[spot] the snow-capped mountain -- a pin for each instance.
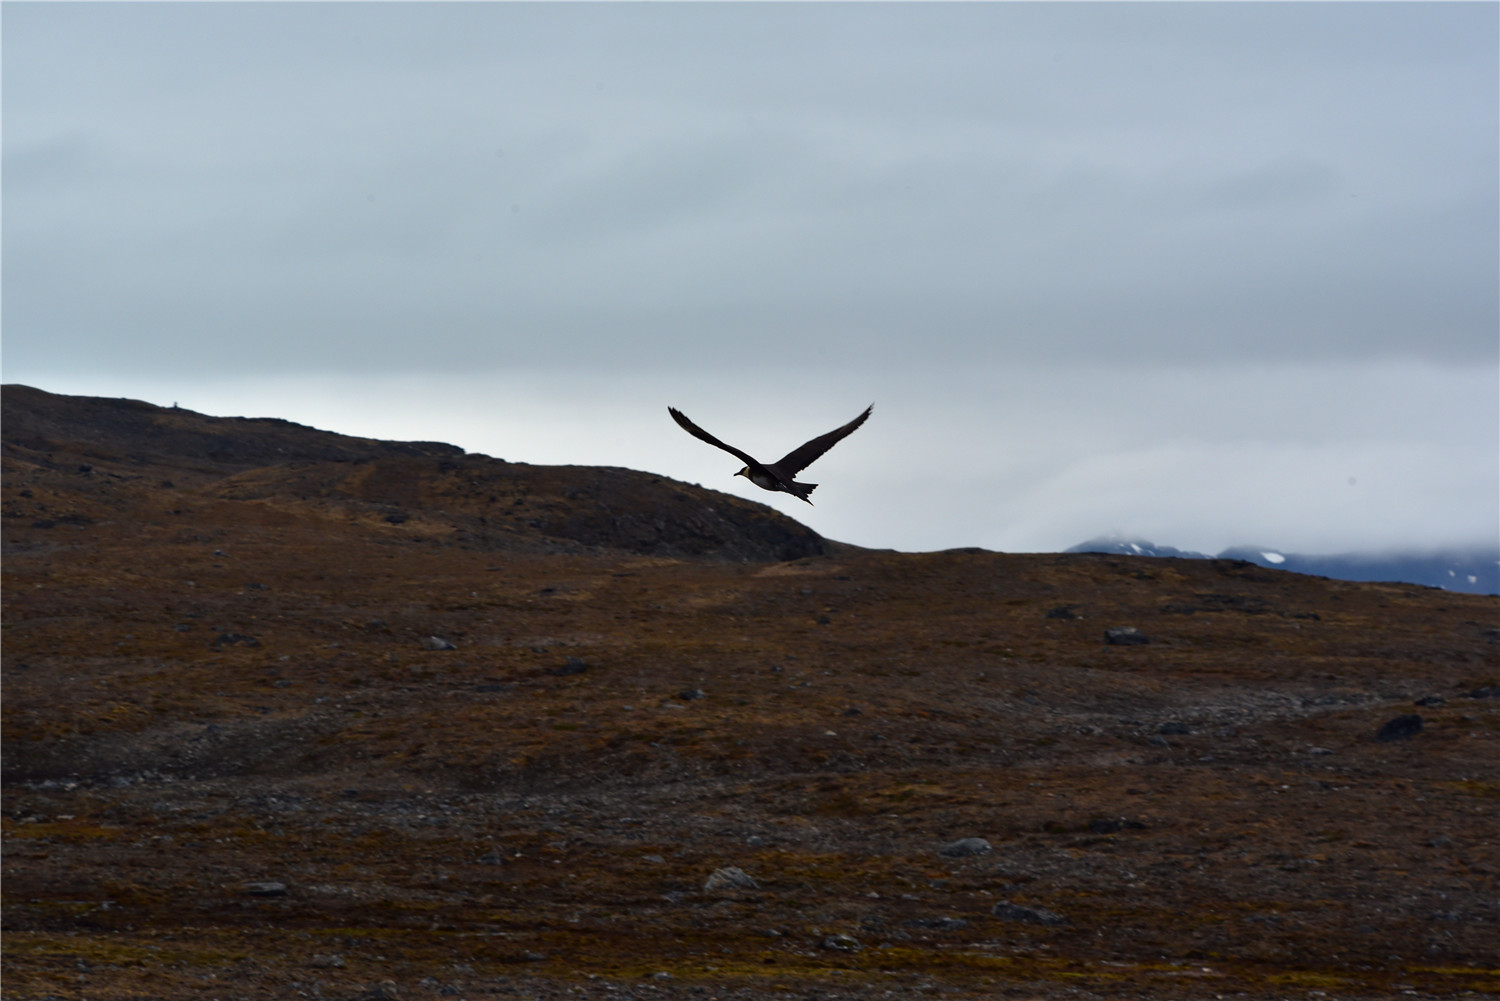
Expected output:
(1475, 570)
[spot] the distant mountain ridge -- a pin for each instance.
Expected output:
(1473, 571)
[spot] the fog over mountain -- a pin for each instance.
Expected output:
(1475, 570)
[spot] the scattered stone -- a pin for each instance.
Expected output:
(1400, 728)
(332, 961)
(1007, 911)
(854, 711)
(437, 643)
(264, 889)
(1484, 692)
(493, 688)
(1062, 612)
(689, 694)
(1125, 636)
(491, 858)
(383, 991)
(964, 847)
(570, 666)
(1318, 750)
(233, 639)
(937, 924)
(1173, 726)
(1430, 700)
(842, 943)
(730, 878)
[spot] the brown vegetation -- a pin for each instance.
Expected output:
(235, 767)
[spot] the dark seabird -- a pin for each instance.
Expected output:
(777, 475)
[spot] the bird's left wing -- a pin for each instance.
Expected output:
(699, 433)
(803, 456)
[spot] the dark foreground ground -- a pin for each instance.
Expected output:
(235, 769)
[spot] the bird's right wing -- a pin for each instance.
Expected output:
(702, 435)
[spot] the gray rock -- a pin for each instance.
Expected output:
(964, 847)
(937, 924)
(689, 694)
(842, 943)
(264, 889)
(1400, 728)
(1111, 825)
(233, 639)
(1173, 726)
(1007, 911)
(384, 991)
(1125, 636)
(730, 878)
(332, 961)
(437, 643)
(570, 666)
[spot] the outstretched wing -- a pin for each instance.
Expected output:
(699, 433)
(805, 455)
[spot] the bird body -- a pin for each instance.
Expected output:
(780, 475)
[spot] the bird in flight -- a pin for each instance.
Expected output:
(777, 475)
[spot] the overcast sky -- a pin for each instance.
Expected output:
(1211, 274)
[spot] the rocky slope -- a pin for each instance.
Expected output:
(288, 714)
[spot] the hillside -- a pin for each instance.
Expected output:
(293, 714)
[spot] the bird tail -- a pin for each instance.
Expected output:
(803, 490)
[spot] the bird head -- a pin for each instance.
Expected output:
(745, 472)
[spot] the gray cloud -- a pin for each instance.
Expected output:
(195, 190)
